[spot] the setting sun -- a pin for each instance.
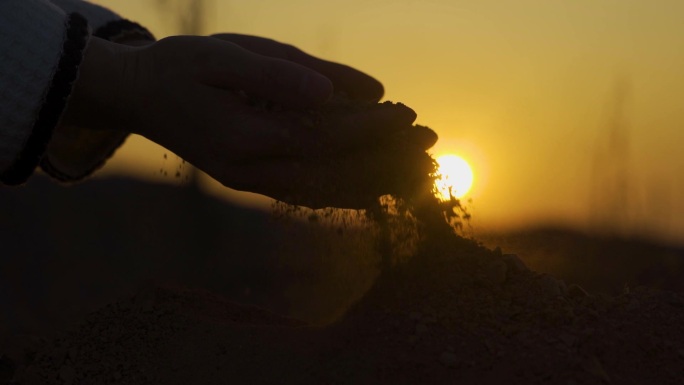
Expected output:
(455, 177)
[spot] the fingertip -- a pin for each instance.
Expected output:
(403, 113)
(315, 88)
(375, 90)
(389, 117)
(425, 136)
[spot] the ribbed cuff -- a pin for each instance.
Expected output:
(120, 29)
(63, 172)
(77, 34)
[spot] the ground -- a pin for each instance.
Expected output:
(456, 312)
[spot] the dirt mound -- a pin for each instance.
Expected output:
(464, 314)
(456, 313)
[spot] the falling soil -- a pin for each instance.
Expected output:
(454, 312)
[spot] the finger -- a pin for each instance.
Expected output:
(288, 134)
(338, 131)
(353, 82)
(279, 80)
(421, 136)
(291, 134)
(371, 127)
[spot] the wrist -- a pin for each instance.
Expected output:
(96, 101)
(135, 42)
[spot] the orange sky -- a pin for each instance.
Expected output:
(524, 90)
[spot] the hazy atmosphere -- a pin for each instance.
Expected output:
(546, 248)
(568, 111)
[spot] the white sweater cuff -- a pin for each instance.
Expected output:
(41, 49)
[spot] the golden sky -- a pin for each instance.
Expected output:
(525, 90)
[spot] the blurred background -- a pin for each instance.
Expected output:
(569, 112)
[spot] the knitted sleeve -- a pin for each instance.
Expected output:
(41, 48)
(76, 152)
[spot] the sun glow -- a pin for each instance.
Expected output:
(455, 177)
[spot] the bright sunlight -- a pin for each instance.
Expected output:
(455, 177)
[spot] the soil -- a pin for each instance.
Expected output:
(455, 312)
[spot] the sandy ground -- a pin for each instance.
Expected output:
(455, 312)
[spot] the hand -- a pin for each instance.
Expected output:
(188, 94)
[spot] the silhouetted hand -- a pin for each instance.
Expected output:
(199, 97)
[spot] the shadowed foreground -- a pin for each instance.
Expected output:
(454, 313)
